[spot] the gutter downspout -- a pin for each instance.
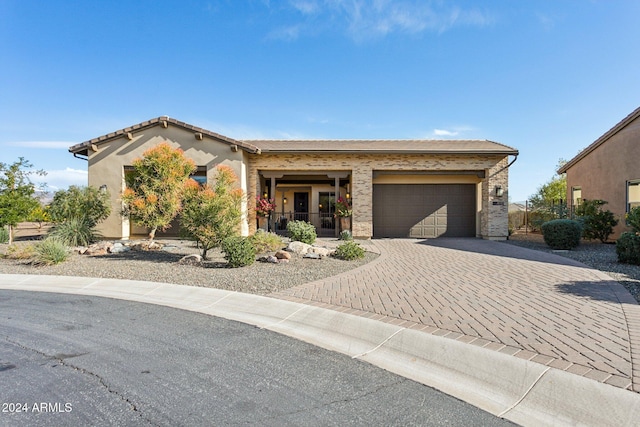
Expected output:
(77, 156)
(506, 167)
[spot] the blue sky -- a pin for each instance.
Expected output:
(547, 77)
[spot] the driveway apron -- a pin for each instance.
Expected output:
(530, 304)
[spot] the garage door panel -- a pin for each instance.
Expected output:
(424, 210)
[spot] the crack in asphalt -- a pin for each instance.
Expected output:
(60, 358)
(334, 402)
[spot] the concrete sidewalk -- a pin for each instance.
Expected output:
(532, 337)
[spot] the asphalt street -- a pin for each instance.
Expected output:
(77, 360)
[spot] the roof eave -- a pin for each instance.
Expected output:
(84, 147)
(598, 142)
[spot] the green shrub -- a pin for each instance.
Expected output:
(4, 235)
(73, 232)
(562, 233)
(238, 251)
(346, 235)
(349, 251)
(302, 231)
(264, 241)
(18, 251)
(596, 222)
(51, 251)
(539, 217)
(633, 219)
(628, 248)
(90, 203)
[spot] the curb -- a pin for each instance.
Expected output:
(522, 391)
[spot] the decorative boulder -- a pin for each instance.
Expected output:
(311, 255)
(323, 252)
(118, 248)
(192, 259)
(283, 255)
(298, 248)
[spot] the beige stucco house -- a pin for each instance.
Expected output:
(397, 188)
(608, 169)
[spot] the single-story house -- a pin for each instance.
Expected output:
(608, 169)
(397, 188)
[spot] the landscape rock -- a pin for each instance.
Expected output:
(323, 252)
(192, 259)
(312, 255)
(118, 248)
(298, 248)
(283, 255)
(272, 259)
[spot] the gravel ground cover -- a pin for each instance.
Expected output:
(162, 266)
(601, 256)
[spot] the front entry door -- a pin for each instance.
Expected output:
(301, 206)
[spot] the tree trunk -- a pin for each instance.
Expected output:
(152, 233)
(10, 234)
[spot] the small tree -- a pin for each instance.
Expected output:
(88, 203)
(154, 189)
(553, 190)
(596, 222)
(211, 214)
(17, 199)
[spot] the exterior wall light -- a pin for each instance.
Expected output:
(499, 191)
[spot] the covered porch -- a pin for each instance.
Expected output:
(306, 196)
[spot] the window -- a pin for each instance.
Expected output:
(200, 175)
(633, 194)
(576, 196)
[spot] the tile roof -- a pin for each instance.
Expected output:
(383, 146)
(598, 142)
(408, 146)
(84, 146)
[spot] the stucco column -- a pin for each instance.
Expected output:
(362, 202)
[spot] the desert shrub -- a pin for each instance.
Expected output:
(238, 251)
(4, 235)
(349, 251)
(302, 231)
(596, 222)
(516, 220)
(346, 235)
(539, 217)
(628, 248)
(51, 251)
(633, 219)
(90, 203)
(264, 241)
(73, 232)
(562, 233)
(17, 251)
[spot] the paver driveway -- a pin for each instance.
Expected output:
(530, 304)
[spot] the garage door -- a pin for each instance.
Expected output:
(424, 210)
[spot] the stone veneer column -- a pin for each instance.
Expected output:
(362, 195)
(495, 221)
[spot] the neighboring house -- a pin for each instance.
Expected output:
(398, 188)
(608, 169)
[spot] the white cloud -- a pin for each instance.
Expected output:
(55, 145)
(59, 179)
(307, 7)
(443, 132)
(366, 19)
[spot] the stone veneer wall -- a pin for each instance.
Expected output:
(493, 218)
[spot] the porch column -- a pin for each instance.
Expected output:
(336, 220)
(272, 193)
